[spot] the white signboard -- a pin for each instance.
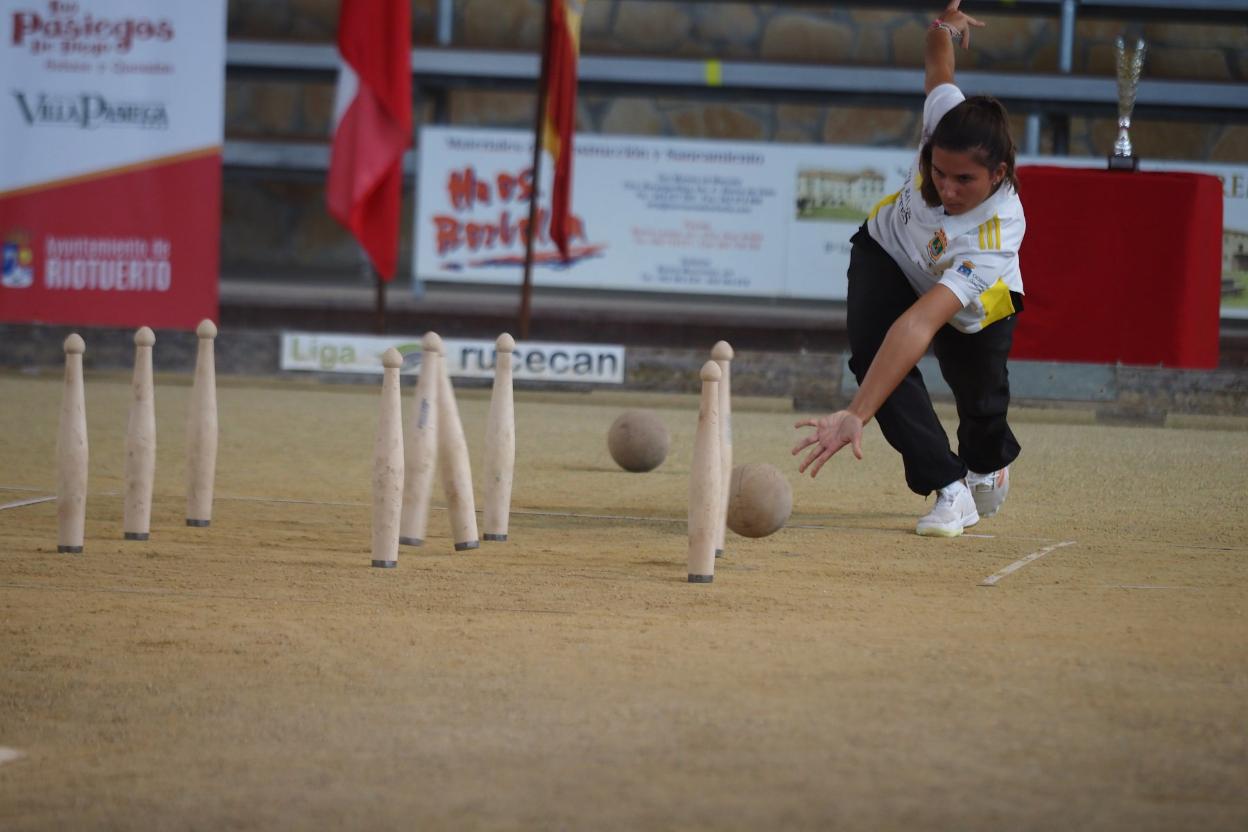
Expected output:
(652, 215)
(531, 360)
(698, 217)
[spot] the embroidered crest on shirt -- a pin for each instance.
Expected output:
(967, 268)
(937, 245)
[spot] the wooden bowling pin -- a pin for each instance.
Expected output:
(420, 444)
(722, 354)
(500, 444)
(704, 476)
(388, 465)
(140, 465)
(201, 431)
(454, 467)
(71, 453)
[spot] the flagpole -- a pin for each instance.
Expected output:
(368, 272)
(380, 312)
(526, 289)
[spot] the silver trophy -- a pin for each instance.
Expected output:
(1129, 66)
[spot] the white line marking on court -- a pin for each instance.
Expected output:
(532, 513)
(817, 527)
(291, 500)
(991, 580)
(627, 517)
(172, 593)
(535, 513)
(9, 755)
(521, 511)
(21, 503)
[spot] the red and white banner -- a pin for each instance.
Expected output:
(111, 124)
(372, 125)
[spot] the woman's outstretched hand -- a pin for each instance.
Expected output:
(832, 432)
(960, 21)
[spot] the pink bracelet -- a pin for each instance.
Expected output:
(940, 24)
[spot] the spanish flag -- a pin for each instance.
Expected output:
(563, 47)
(372, 125)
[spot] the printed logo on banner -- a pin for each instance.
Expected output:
(490, 224)
(413, 354)
(107, 264)
(89, 111)
(65, 30)
(18, 271)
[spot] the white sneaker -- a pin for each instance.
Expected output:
(989, 490)
(953, 512)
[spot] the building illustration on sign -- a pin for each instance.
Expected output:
(836, 194)
(1234, 266)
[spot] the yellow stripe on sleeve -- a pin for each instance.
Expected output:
(888, 200)
(990, 234)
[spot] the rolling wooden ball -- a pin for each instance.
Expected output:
(638, 440)
(760, 500)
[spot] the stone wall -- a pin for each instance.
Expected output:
(280, 226)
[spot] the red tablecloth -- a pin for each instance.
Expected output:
(1120, 267)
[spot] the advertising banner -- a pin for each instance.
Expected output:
(651, 215)
(465, 358)
(111, 121)
(698, 217)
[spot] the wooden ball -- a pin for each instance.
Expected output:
(638, 440)
(760, 500)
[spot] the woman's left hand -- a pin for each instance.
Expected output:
(960, 21)
(832, 432)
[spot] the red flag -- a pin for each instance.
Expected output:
(563, 46)
(372, 125)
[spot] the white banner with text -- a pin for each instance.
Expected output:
(465, 358)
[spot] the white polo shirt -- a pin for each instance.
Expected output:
(975, 254)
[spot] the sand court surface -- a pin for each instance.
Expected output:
(841, 673)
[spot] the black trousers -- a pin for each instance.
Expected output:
(973, 365)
